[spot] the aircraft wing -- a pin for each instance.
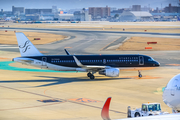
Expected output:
(105, 114)
(95, 67)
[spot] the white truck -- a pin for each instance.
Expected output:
(148, 109)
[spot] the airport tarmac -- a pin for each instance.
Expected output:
(28, 93)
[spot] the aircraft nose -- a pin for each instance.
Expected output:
(157, 63)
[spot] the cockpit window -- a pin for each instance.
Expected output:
(150, 59)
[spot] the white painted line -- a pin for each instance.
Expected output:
(7, 46)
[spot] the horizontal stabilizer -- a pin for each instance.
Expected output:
(23, 60)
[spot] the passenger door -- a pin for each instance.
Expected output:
(141, 60)
(44, 60)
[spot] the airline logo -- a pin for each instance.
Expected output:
(26, 46)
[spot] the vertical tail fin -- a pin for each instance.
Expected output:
(26, 48)
(105, 110)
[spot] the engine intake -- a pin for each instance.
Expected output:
(113, 72)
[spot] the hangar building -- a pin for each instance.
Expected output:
(136, 16)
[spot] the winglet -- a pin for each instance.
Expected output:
(78, 62)
(67, 52)
(105, 110)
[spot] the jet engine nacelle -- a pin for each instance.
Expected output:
(113, 72)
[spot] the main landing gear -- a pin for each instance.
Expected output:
(140, 75)
(90, 75)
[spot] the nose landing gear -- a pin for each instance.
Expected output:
(140, 75)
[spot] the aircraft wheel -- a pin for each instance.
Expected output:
(89, 74)
(140, 76)
(92, 77)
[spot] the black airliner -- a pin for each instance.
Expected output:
(107, 65)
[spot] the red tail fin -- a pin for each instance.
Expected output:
(105, 109)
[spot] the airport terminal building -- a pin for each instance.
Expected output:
(135, 16)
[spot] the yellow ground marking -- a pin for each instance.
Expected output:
(136, 69)
(173, 64)
(3, 58)
(143, 77)
(43, 52)
(67, 47)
